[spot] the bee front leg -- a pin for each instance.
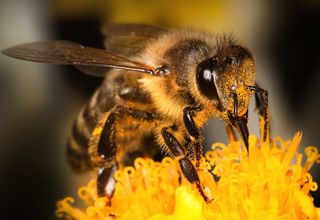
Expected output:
(187, 168)
(195, 134)
(262, 103)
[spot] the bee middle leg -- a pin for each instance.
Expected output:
(179, 152)
(103, 151)
(230, 132)
(194, 132)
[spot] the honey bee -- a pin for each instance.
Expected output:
(156, 95)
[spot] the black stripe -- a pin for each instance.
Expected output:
(79, 137)
(90, 121)
(79, 161)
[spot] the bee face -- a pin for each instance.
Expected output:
(227, 74)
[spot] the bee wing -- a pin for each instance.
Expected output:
(129, 39)
(91, 60)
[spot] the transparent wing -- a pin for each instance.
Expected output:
(129, 39)
(69, 53)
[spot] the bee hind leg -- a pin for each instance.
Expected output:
(187, 168)
(106, 181)
(103, 147)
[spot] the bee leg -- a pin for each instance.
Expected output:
(187, 168)
(262, 103)
(106, 151)
(106, 148)
(106, 181)
(195, 134)
(230, 132)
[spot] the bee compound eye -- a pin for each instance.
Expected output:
(205, 78)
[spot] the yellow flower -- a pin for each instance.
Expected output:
(271, 182)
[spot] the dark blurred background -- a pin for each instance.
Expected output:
(39, 102)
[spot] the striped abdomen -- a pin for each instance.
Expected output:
(77, 148)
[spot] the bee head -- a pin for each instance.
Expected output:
(226, 76)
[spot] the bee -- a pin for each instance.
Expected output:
(155, 96)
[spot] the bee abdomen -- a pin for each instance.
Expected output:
(79, 161)
(77, 149)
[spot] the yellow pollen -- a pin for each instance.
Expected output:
(97, 131)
